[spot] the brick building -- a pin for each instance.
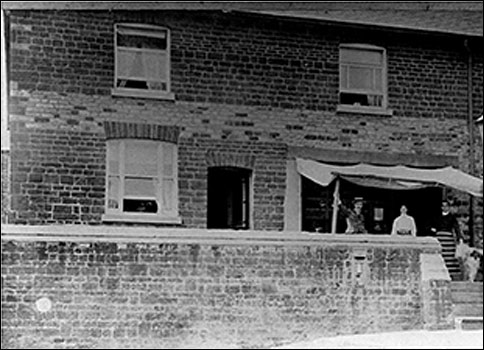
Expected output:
(192, 116)
(235, 95)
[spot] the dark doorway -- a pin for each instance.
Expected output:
(228, 198)
(316, 205)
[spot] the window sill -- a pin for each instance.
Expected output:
(137, 218)
(363, 110)
(137, 93)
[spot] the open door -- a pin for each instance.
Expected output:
(228, 198)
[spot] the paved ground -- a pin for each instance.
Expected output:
(450, 339)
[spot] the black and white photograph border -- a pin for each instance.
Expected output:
(234, 175)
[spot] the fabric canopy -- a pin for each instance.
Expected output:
(385, 183)
(390, 177)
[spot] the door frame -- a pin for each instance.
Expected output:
(247, 207)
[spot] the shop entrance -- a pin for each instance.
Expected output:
(381, 206)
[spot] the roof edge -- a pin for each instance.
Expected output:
(266, 9)
(248, 5)
(395, 27)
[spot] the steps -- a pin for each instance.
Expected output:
(468, 304)
(448, 253)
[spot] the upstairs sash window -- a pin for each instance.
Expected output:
(362, 76)
(142, 58)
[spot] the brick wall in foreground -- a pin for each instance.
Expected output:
(183, 288)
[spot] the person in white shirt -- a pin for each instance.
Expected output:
(404, 224)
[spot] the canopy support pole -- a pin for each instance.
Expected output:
(335, 206)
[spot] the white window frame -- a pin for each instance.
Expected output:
(161, 216)
(384, 89)
(143, 93)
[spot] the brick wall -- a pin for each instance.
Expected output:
(241, 59)
(268, 178)
(106, 287)
(58, 176)
(58, 149)
(437, 305)
(231, 88)
(5, 185)
(62, 51)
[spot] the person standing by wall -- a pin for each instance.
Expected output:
(447, 224)
(355, 219)
(448, 233)
(404, 224)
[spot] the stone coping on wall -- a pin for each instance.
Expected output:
(126, 234)
(433, 267)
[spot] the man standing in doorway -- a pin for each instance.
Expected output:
(447, 224)
(448, 232)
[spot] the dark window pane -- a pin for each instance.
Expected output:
(132, 84)
(139, 84)
(141, 42)
(140, 205)
(348, 98)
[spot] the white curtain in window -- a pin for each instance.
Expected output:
(157, 65)
(136, 64)
(360, 78)
(168, 192)
(113, 192)
(113, 157)
(168, 187)
(142, 169)
(140, 187)
(141, 158)
(131, 65)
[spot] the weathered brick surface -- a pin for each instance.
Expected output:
(246, 86)
(246, 81)
(241, 59)
(51, 156)
(183, 295)
(57, 176)
(78, 112)
(437, 293)
(269, 179)
(5, 184)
